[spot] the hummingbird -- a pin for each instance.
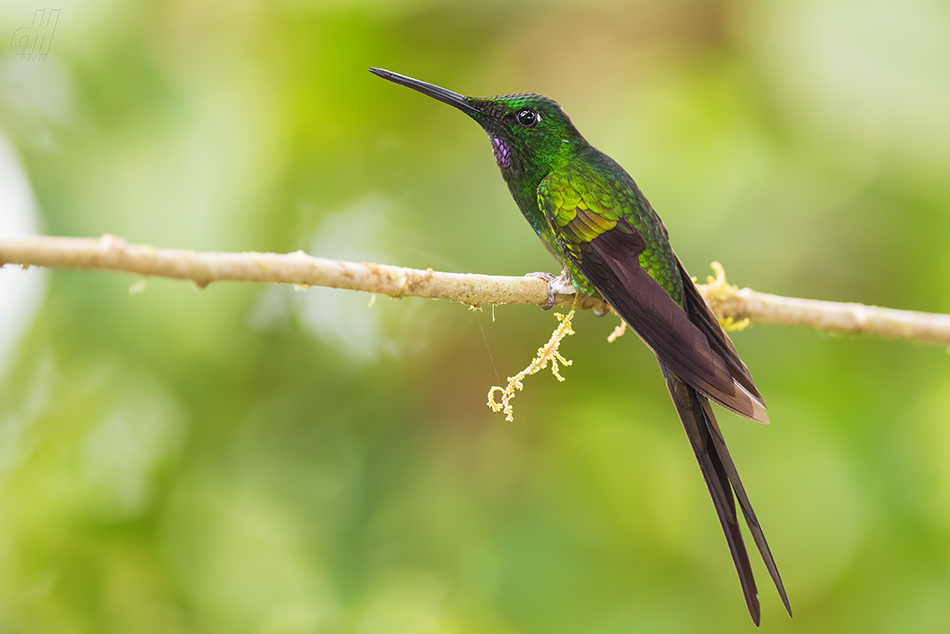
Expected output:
(595, 221)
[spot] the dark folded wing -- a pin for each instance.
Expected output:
(703, 317)
(593, 225)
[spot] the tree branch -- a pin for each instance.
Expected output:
(203, 267)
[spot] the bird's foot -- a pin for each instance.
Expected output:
(562, 284)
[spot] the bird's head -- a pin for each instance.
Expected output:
(530, 134)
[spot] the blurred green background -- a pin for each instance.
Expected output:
(258, 459)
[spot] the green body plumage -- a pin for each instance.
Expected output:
(593, 218)
(589, 196)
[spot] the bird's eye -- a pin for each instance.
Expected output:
(527, 117)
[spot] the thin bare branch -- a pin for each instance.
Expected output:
(203, 267)
(733, 305)
(110, 253)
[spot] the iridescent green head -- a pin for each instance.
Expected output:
(530, 133)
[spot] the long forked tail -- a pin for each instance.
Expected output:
(722, 480)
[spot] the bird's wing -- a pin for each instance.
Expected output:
(703, 317)
(596, 218)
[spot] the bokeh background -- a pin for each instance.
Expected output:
(262, 459)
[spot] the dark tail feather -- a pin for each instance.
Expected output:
(751, 520)
(722, 479)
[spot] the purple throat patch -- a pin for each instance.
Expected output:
(500, 150)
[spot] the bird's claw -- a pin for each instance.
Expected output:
(556, 285)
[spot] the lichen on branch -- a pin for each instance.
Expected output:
(546, 353)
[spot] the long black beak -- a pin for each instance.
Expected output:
(443, 95)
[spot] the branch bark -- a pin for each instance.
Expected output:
(203, 267)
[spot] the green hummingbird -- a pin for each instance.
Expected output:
(593, 218)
